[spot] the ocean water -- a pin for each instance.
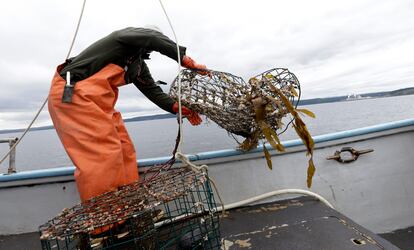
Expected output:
(156, 138)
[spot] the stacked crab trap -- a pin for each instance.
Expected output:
(175, 210)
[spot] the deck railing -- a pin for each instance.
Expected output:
(12, 156)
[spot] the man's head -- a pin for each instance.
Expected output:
(153, 27)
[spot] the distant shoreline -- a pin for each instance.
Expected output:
(399, 92)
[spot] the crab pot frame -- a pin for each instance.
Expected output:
(226, 99)
(176, 210)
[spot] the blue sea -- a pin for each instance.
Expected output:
(156, 138)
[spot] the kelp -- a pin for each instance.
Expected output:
(301, 130)
(275, 96)
(268, 157)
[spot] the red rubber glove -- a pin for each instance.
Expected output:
(189, 63)
(192, 116)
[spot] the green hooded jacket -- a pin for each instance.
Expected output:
(127, 48)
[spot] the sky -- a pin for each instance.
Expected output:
(333, 47)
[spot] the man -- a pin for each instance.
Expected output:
(83, 113)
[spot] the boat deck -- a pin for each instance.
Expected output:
(301, 223)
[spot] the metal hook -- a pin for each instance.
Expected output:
(354, 154)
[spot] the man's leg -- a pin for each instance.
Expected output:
(128, 150)
(89, 136)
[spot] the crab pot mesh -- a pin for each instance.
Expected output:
(173, 211)
(227, 99)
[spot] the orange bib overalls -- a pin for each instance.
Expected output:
(93, 132)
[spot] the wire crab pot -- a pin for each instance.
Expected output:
(254, 110)
(226, 99)
(173, 211)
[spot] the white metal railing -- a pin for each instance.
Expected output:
(12, 156)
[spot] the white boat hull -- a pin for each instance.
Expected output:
(375, 190)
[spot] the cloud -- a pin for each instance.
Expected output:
(354, 46)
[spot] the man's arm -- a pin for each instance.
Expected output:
(150, 40)
(145, 83)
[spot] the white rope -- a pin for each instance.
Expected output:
(251, 200)
(180, 115)
(45, 101)
(203, 169)
(274, 193)
(191, 165)
(77, 29)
